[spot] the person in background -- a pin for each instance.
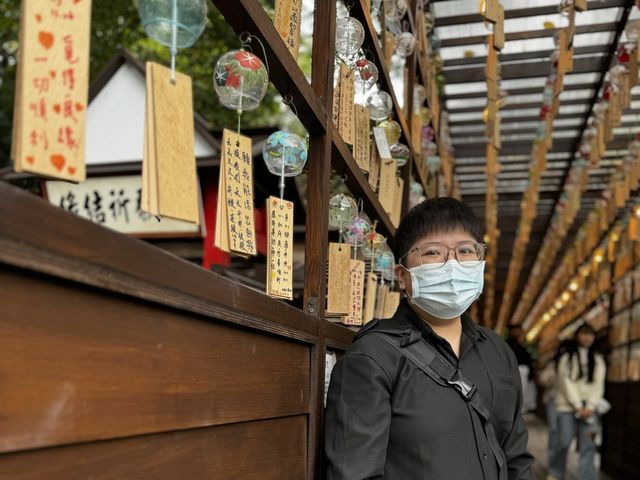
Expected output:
(548, 379)
(392, 415)
(525, 365)
(579, 399)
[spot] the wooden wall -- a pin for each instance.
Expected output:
(120, 361)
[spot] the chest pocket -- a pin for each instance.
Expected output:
(504, 402)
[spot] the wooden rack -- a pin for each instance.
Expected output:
(143, 352)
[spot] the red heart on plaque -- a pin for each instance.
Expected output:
(72, 170)
(58, 161)
(52, 73)
(56, 108)
(79, 107)
(38, 18)
(45, 39)
(30, 159)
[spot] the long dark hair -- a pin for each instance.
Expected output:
(591, 356)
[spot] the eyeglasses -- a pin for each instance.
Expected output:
(468, 254)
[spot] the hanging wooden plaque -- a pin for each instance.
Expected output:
(335, 114)
(416, 132)
(347, 94)
(602, 145)
(280, 248)
(370, 297)
(287, 22)
(391, 304)
(235, 195)
(338, 292)
(381, 299)
(397, 202)
(381, 142)
(492, 11)
(632, 228)
(615, 111)
(362, 142)
(52, 89)
(174, 139)
(374, 169)
(498, 30)
(389, 48)
(633, 68)
(497, 143)
(580, 5)
(356, 296)
(491, 67)
(386, 192)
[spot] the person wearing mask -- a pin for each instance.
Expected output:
(428, 394)
(579, 399)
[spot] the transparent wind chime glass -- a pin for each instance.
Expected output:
(342, 211)
(175, 24)
(240, 78)
(285, 155)
(357, 230)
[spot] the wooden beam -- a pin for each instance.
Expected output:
(315, 265)
(523, 12)
(520, 70)
(527, 35)
(518, 57)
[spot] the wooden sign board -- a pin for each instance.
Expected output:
(386, 192)
(280, 248)
(492, 11)
(498, 30)
(52, 89)
(287, 22)
(391, 304)
(370, 298)
(235, 229)
(171, 166)
(396, 213)
(338, 292)
(116, 203)
(580, 5)
(347, 94)
(374, 169)
(362, 140)
(335, 113)
(356, 290)
(491, 67)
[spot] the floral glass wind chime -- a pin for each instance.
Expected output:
(169, 179)
(285, 155)
(240, 81)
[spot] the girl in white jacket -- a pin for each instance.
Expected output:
(581, 377)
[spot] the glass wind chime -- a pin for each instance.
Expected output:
(173, 24)
(240, 78)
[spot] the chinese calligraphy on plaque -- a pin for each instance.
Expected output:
(280, 244)
(235, 229)
(52, 88)
(287, 23)
(356, 289)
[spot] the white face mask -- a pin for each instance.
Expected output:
(446, 291)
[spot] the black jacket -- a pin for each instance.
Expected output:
(386, 419)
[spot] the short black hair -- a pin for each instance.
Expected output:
(434, 215)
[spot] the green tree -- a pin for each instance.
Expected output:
(116, 25)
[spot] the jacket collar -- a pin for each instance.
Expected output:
(469, 328)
